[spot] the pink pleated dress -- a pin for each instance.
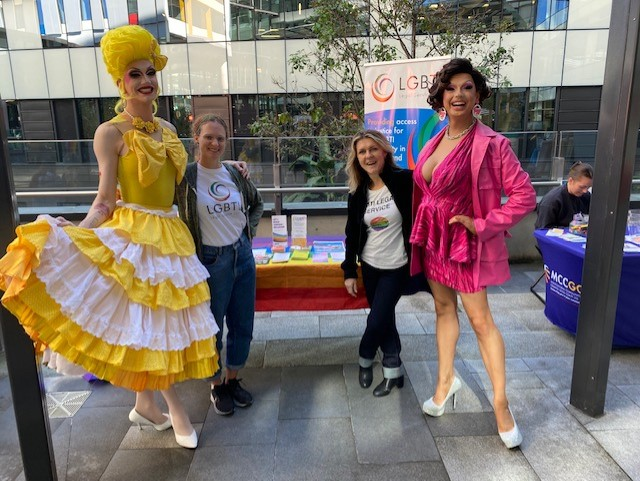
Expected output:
(446, 252)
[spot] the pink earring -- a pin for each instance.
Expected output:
(477, 111)
(442, 114)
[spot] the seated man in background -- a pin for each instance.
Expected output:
(559, 205)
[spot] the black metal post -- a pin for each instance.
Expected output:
(615, 156)
(25, 378)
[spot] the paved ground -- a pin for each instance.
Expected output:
(312, 421)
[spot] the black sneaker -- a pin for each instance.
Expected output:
(222, 400)
(241, 397)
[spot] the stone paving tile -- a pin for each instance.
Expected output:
(9, 438)
(625, 367)
(515, 300)
(106, 395)
(408, 324)
(632, 391)
(255, 424)
(555, 444)
(392, 440)
(620, 412)
(296, 327)
(476, 366)
(311, 352)
(534, 319)
(327, 447)
(194, 395)
(622, 446)
(522, 344)
(257, 354)
(362, 402)
(483, 458)
(428, 321)
(313, 392)
(336, 325)
(428, 471)
(515, 380)
(470, 398)
(462, 424)
(149, 465)
(420, 302)
(263, 384)
(506, 321)
(149, 438)
(247, 463)
(11, 467)
(418, 348)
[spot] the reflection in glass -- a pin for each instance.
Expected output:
(552, 14)
(542, 102)
(510, 109)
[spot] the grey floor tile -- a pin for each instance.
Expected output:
(556, 445)
(5, 393)
(106, 395)
(522, 344)
(620, 412)
(428, 321)
(10, 466)
(312, 352)
(327, 447)
(534, 319)
(362, 403)
(476, 366)
(622, 446)
(408, 324)
(515, 380)
(393, 440)
(150, 439)
(462, 424)
(632, 391)
(263, 384)
(295, 326)
(419, 348)
(625, 367)
(427, 471)
(9, 438)
(149, 465)
(420, 302)
(256, 354)
(506, 321)
(313, 392)
(337, 325)
(483, 458)
(255, 424)
(516, 300)
(247, 463)
(470, 398)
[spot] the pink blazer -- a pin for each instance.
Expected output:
(494, 168)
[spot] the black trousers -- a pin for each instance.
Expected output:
(383, 288)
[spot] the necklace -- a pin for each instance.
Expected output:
(149, 126)
(457, 136)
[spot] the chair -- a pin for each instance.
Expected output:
(532, 288)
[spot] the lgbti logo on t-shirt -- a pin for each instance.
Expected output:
(219, 192)
(379, 223)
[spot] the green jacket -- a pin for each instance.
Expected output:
(187, 200)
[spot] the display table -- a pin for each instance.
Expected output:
(303, 285)
(563, 277)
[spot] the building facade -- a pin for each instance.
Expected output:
(231, 57)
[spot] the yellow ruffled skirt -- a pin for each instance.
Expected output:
(127, 301)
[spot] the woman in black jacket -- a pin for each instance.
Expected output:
(378, 230)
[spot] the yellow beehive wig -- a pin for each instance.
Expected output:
(126, 44)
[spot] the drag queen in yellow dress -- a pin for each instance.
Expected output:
(123, 294)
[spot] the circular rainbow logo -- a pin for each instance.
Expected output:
(380, 90)
(379, 223)
(219, 192)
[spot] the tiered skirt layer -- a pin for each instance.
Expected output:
(127, 301)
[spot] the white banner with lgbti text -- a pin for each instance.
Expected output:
(395, 103)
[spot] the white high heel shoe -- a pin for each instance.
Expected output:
(436, 410)
(189, 441)
(136, 418)
(513, 437)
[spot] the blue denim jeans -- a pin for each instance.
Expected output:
(232, 283)
(383, 288)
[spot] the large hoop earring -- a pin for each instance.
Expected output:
(442, 114)
(477, 111)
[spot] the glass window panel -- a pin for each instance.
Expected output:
(58, 68)
(510, 110)
(205, 20)
(88, 117)
(241, 65)
(107, 107)
(542, 104)
(13, 118)
(271, 66)
(521, 12)
(181, 114)
(117, 13)
(22, 24)
(244, 111)
(6, 78)
(240, 23)
(552, 14)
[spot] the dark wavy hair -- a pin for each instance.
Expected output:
(443, 78)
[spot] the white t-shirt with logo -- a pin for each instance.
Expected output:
(220, 212)
(384, 248)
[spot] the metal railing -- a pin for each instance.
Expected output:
(291, 173)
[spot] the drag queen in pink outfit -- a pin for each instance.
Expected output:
(460, 227)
